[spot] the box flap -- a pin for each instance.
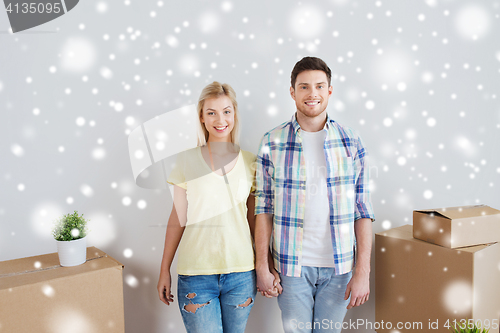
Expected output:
(406, 232)
(432, 212)
(461, 212)
(41, 262)
(403, 232)
(45, 267)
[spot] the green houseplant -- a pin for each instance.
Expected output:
(468, 328)
(70, 232)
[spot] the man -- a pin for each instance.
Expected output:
(312, 197)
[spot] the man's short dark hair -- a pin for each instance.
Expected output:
(310, 64)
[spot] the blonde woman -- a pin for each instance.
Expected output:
(212, 222)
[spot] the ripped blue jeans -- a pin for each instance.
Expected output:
(216, 303)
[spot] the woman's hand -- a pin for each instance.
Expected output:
(164, 290)
(173, 235)
(277, 280)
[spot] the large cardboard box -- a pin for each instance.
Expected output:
(419, 282)
(39, 295)
(457, 226)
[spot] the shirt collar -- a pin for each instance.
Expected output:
(296, 126)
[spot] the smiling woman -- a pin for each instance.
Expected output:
(212, 222)
(218, 117)
(217, 106)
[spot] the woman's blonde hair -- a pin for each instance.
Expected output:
(215, 90)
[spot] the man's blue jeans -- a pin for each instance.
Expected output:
(216, 303)
(314, 302)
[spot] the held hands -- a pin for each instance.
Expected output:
(268, 283)
(164, 290)
(359, 288)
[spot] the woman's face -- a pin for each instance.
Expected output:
(218, 118)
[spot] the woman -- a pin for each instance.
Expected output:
(216, 282)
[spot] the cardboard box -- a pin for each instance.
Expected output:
(457, 226)
(39, 295)
(419, 282)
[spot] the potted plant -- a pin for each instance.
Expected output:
(468, 327)
(70, 233)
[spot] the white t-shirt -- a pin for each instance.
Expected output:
(317, 249)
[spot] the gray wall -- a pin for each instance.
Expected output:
(418, 79)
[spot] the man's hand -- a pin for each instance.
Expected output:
(358, 288)
(268, 284)
(276, 290)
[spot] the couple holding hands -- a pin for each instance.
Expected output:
(306, 192)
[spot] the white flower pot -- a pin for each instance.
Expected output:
(72, 253)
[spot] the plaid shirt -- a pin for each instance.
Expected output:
(281, 191)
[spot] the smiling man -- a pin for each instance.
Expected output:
(312, 198)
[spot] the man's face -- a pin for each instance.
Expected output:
(311, 93)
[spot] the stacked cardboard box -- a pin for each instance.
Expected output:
(39, 295)
(425, 287)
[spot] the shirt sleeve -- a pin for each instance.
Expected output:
(264, 182)
(364, 207)
(177, 175)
